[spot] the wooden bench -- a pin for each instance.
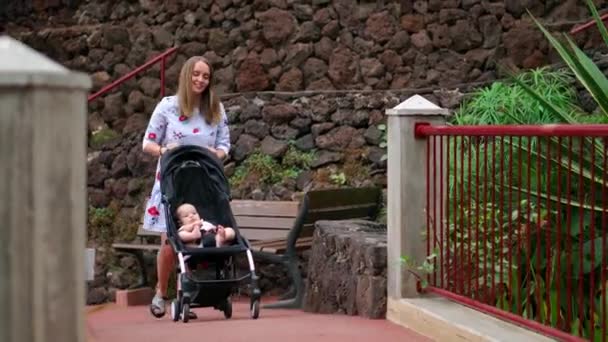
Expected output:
(293, 232)
(277, 230)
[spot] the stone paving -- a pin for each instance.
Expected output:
(113, 323)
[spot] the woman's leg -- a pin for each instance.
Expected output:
(165, 260)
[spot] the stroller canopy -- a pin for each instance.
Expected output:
(192, 174)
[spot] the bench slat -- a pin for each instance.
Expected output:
(280, 246)
(280, 223)
(135, 246)
(263, 234)
(341, 197)
(266, 208)
(143, 232)
(364, 211)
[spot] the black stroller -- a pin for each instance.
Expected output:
(191, 174)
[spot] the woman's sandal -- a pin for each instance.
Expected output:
(157, 308)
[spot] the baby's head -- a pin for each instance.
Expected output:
(186, 214)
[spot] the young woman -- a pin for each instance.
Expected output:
(194, 116)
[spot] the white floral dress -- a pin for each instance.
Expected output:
(167, 126)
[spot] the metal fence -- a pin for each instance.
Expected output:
(517, 223)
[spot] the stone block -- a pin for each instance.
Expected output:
(347, 269)
(134, 297)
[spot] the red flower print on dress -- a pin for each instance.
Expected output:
(158, 176)
(153, 211)
(196, 130)
(152, 136)
(183, 118)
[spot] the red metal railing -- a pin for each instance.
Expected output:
(162, 58)
(588, 24)
(517, 223)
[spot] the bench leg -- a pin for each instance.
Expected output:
(291, 292)
(296, 301)
(143, 281)
(143, 274)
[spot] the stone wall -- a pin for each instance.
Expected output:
(289, 45)
(347, 269)
(341, 130)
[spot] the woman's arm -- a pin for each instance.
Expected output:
(222, 141)
(154, 149)
(155, 132)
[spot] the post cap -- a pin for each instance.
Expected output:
(417, 105)
(21, 65)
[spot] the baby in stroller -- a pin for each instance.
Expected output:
(198, 232)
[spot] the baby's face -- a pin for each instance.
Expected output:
(187, 214)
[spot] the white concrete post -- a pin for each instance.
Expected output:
(407, 190)
(43, 139)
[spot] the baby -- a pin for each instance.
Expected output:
(195, 229)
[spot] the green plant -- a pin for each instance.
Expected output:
(264, 169)
(101, 224)
(423, 270)
(583, 67)
(383, 140)
(99, 138)
(338, 178)
(509, 103)
(297, 159)
(258, 165)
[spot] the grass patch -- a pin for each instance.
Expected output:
(101, 137)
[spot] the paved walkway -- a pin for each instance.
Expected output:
(110, 323)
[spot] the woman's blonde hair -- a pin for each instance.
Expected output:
(209, 103)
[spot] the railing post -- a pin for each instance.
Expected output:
(162, 77)
(43, 140)
(407, 190)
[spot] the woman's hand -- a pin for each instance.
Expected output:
(218, 153)
(157, 150)
(168, 147)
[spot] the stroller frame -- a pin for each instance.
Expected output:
(193, 291)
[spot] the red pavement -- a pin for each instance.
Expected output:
(112, 323)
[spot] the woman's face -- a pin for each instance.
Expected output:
(200, 77)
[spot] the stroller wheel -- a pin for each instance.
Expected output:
(227, 308)
(175, 310)
(255, 309)
(185, 313)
